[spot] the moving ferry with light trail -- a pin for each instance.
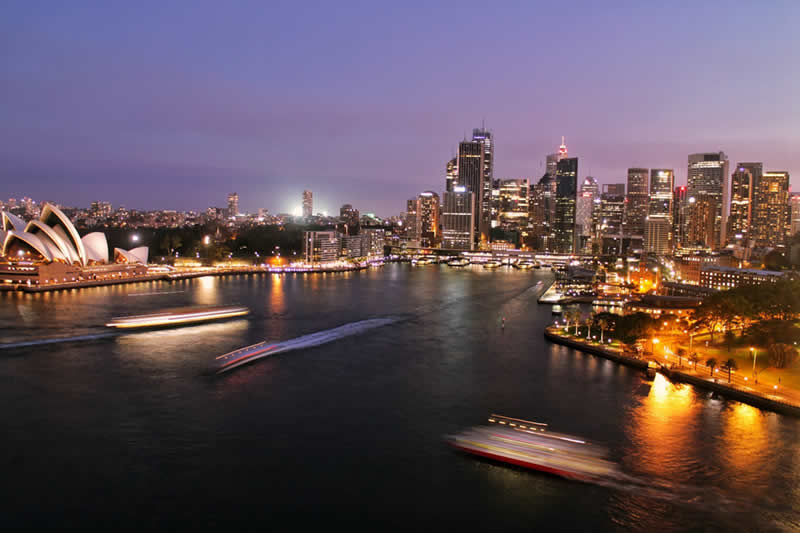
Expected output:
(177, 317)
(249, 354)
(532, 445)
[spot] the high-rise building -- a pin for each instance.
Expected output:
(373, 241)
(320, 246)
(708, 174)
(475, 161)
(740, 217)
(412, 222)
(566, 196)
(771, 207)
(451, 174)
(612, 209)
(233, 205)
(637, 202)
(458, 214)
(614, 189)
(586, 214)
(700, 226)
(428, 214)
(542, 213)
(513, 204)
(308, 204)
(679, 214)
(350, 218)
(794, 209)
(658, 224)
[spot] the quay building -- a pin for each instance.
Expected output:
(49, 251)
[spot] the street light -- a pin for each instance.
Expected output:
(754, 355)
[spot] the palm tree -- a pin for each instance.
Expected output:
(588, 323)
(729, 365)
(602, 323)
(694, 357)
(576, 316)
(681, 352)
(711, 363)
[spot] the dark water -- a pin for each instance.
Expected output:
(130, 431)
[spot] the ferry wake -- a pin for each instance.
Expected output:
(248, 354)
(177, 317)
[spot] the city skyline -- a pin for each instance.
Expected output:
(242, 108)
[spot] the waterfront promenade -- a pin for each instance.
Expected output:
(764, 395)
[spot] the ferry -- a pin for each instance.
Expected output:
(423, 261)
(458, 262)
(532, 445)
(177, 317)
(494, 263)
(524, 265)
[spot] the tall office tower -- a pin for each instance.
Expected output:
(308, 204)
(233, 204)
(612, 210)
(566, 196)
(708, 173)
(542, 213)
(428, 214)
(658, 224)
(755, 170)
(458, 219)
(412, 222)
(475, 158)
(586, 213)
(701, 214)
(740, 217)
(614, 189)
(637, 202)
(350, 218)
(552, 163)
(513, 204)
(773, 196)
(794, 218)
(679, 216)
(451, 174)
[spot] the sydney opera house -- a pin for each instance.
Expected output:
(50, 251)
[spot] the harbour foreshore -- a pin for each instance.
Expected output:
(756, 398)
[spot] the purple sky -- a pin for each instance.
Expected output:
(155, 105)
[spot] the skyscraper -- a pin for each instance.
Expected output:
(428, 214)
(412, 222)
(658, 224)
(308, 204)
(233, 205)
(475, 162)
(740, 218)
(451, 174)
(612, 210)
(637, 202)
(708, 174)
(566, 196)
(679, 215)
(513, 204)
(771, 216)
(350, 218)
(542, 212)
(458, 214)
(586, 214)
(701, 214)
(794, 224)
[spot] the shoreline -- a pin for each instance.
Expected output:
(729, 392)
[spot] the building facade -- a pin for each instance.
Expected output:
(707, 174)
(308, 204)
(771, 209)
(637, 202)
(566, 197)
(320, 246)
(458, 219)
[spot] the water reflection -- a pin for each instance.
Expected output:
(207, 292)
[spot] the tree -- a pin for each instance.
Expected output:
(781, 355)
(694, 357)
(711, 363)
(729, 365)
(572, 315)
(729, 336)
(602, 323)
(681, 353)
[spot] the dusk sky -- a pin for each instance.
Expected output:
(156, 105)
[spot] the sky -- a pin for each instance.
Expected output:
(172, 105)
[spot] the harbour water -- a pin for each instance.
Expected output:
(131, 430)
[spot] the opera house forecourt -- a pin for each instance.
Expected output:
(49, 252)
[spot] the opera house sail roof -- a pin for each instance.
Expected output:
(53, 238)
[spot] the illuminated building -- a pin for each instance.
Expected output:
(451, 174)
(350, 218)
(542, 212)
(724, 278)
(586, 214)
(637, 201)
(320, 246)
(658, 225)
(458, 214)
(428, 215)
(708, 175)
(794, 202)
(233, 205)
(475, 167)
(412, 221)
(513, 204)
(679, 216)
(308, 204)
(700, 229)
(566, 196)
(740, 218)
(612, 210)
(374, 239)
(771, 209)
